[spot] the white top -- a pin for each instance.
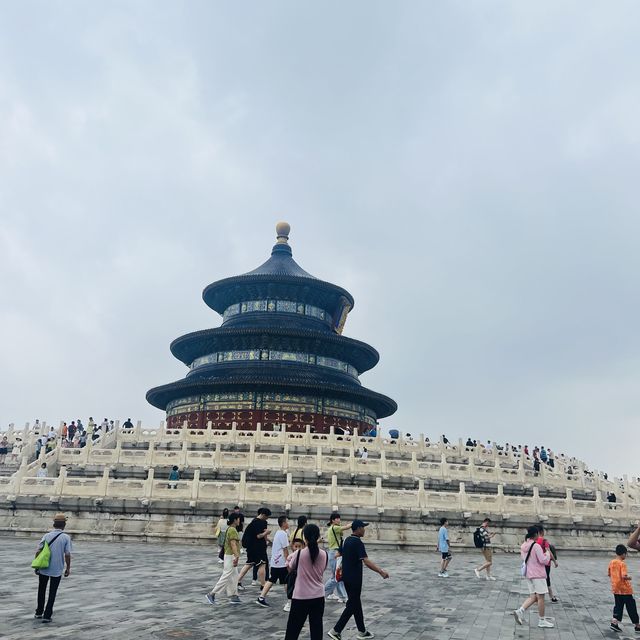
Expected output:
(42, 473)
(280, 543)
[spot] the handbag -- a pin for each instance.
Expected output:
(42, 559)
(523, 567)
(338, 575)
(291, 578)
(221, 552)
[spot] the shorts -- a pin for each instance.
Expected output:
(256, 556)
(446, 555)
(278, 575)
(537, 586)
(487, 552)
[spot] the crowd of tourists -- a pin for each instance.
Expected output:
(314, 567)
(73, 434)
(299, 564)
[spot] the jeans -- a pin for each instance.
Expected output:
(42, 590)
(229, 578)
(621, 601)
(300, 610)
(352, 608)
(332, 585)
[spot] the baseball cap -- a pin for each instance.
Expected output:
(356, 524)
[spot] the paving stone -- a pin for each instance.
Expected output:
(156, 592)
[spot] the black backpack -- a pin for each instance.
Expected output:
(478, 539)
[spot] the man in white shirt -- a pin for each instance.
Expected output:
(279, 554)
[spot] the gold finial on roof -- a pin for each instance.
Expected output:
(282, 232)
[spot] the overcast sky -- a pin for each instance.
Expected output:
(469, 171)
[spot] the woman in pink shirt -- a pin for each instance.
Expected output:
(308, 594)
(535, 557)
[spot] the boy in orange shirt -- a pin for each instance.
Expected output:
(622, 590)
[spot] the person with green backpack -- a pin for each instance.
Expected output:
(52, 560)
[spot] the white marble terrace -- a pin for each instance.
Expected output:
(327, 469)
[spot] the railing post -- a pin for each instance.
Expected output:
(242, 488)
(379, 495)
(537, 506)
(252, 455)
(352, 462)
(185, 453)
(334, 492)
(500, 500)
(318, 460)
(104, 483)
(195, 485)
(462, 498)
(289, 492)
(218, 456)
(60, 480)
(148, 483)
(422, 497)
(383, 464)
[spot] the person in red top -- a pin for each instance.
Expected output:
(622, 590)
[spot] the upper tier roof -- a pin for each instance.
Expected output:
(280, 276)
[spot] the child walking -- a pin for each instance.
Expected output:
(622, 590)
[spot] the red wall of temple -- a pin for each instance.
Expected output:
(248, 419)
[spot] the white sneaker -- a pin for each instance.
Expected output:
(477, 573)
(287, 607)
(445, 574)
(518, 614)
(254, 583)
(491, 578)
(332, 596)
(440, 575)
(545, 624)
(220, 561)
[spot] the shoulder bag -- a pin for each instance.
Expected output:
(291, 578)
(523, 567)
(41, 561)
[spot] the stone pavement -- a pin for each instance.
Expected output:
(156, 591)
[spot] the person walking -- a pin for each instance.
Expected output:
(279, 555)
(554, 559)
(220, 530)
(443, 548)
(308, 593)
(334, 542)
(254, 540)
(354, 555)
(229, 578)
(59, 564)
(622, 590)
(535, 557)
(4, 449)
(298, 532)
(482, 539)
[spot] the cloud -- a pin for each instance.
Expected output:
(467, 171)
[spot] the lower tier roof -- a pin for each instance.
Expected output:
(160, 397)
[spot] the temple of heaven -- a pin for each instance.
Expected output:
(279, 358)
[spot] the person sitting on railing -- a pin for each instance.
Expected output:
(469, 443)
(127, 425)
(174, 476)
(611, 497)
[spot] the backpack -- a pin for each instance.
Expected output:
(249, 537)
(478, 539)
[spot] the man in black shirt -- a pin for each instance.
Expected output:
(254, 539)
(354, 555)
